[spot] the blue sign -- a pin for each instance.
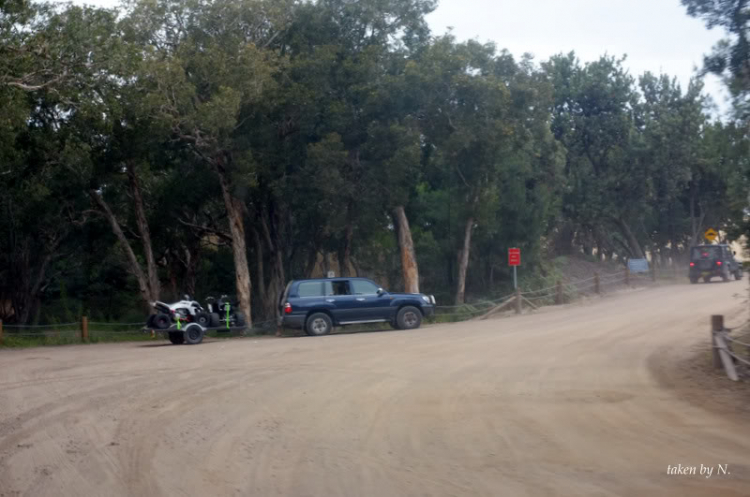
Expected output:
(638, 265)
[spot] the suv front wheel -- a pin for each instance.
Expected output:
(408, 318)
(318, 324)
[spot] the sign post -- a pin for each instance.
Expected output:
(514, 260)
(711, 235)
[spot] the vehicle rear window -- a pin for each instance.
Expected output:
(699, 253)
(310, 289)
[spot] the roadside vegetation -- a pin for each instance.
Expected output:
(228, 146)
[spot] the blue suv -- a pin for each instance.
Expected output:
(320, 304)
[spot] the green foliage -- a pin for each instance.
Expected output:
(730, 58)
(318, 119)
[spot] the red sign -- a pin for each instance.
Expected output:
(514, 257)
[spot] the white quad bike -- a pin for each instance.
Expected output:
(185, 311)
(184, 321)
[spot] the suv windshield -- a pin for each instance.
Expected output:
(699, 253)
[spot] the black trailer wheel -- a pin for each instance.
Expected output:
(194, 334)
(150, 321)
(161, 321)
(693, 280)
(177, 337)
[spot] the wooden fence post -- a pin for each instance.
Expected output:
(653, 271)
(597, 288)
(84, 329)
(559, 294)
(717, 325)
(518, 301)
(627, 276)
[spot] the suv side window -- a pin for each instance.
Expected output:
(362, 287)
(310, 289)
(336, 288)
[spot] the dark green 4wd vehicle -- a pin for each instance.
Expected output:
(707, 261)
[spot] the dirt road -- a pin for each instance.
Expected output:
(560, 402)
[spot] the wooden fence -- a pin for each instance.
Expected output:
(724, 346)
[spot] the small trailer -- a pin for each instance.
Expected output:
(190, 333)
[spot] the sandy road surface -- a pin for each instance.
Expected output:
(562, 402)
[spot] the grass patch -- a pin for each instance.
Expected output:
(49, 339)
(105, 334)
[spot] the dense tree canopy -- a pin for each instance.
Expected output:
(228, 146)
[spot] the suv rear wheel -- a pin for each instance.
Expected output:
(318, 324)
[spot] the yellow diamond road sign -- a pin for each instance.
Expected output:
(711, 234)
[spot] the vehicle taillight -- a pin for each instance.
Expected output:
(287, 308)
(718, 263)
(692, 264)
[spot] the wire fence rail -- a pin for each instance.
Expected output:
(559, 293)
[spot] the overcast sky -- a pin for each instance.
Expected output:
(656, 35)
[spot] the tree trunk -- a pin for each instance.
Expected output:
(142, 223)
(463, 262)
(173, 284)
(192, 261)
(563, 241)
(33, 294)
(633, 244)
(235, 213)
(276, 283)
(135, 266)
(326, 264)
(260, 277)
(406, 245)
(312, 259)
(345, 252)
